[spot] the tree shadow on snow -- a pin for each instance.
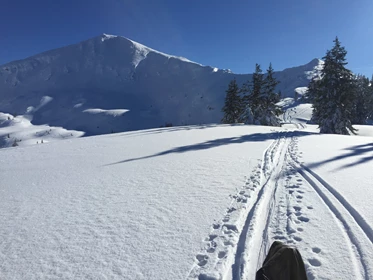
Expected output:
(354, 151)
(167, 129)
(255, 137)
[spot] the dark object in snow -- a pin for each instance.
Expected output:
(15, 143)
(282, 263)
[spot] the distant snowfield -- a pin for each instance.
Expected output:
(193, 202)
(21, 131)
(113, 112)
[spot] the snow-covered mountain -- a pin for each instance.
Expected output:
(110, 84)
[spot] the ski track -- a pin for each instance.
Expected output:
(348, 218)
(269, 207)
(250, 255)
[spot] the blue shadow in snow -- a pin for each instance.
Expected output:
(354, 151)
(255, 137)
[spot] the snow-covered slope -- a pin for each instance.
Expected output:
(114, 73)
(195, 202)
(19, 131)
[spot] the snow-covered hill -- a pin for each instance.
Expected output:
(192, 202)
(85, 81)
(19, 131)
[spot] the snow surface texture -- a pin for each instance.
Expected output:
(193, 202)
(133, 205)
(111, 72)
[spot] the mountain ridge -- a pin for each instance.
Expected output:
(112, 72)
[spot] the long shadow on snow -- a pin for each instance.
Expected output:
(171, 129)
(354, 151)
(256, 137)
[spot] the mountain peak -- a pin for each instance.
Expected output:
(105, 37)
(88, 81)
(142, 50)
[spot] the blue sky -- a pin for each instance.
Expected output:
(226, 34)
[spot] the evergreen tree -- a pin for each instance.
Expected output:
(270, 98)
(333, 95)
(370, 94)
(233, 104)
(310, 95)
(260, 99)
(253, 103)
(363, 101)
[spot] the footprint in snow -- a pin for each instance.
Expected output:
(300, 229)
(279, 237)
(212, 237)
(297, 208)
(299, 196)
(316, 250)
(210, 250)
(215, 226)
(202, 259)
(303, 219)
(309, 207)
(299, 191)
(228, 243)
(314, 262)
(293, 187)
(297, 238)
(222, 254)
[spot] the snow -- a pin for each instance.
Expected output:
(44, 101)
(190, 202)
(183, 202)
(19, 129)
(107, 37)
(316, 71)
(111, 71)
(112, 112)
(132, 205)
(338, 161)
(301, 90)
(142, 51)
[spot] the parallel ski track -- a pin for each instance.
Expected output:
(341, 209)
(252, 240)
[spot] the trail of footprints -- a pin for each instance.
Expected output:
(296, 213)
(224, 232)
(297, 209)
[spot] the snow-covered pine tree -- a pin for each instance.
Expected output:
(233, 104)
(333, 95)
(363, 101)
(252, 99)
(370, 94)
(260, 99)
(310, 95)
(270, 97)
